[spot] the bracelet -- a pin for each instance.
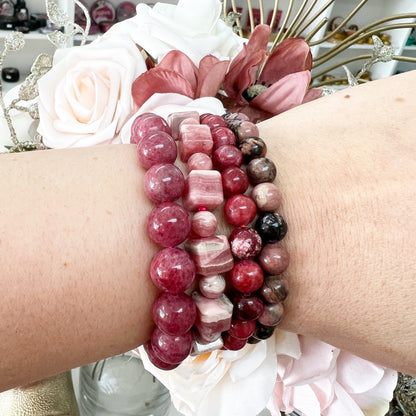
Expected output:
(226, 161)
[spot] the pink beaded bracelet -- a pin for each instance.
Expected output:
(250, 261)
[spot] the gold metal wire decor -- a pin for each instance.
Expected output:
(304, 19)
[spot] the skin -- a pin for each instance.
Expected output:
(75, 254)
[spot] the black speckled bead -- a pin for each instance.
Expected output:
(261, 170)
(252, 148)
(262, 331)
(271, 227)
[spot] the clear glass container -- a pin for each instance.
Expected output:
(120, 386)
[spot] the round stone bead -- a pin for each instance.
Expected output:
(261, 170)
(263, 332)
(247, 129)
(226, 156)
(168, 224)
(204, 223)
(271, 227)
(252, 148)
(272, 314)
(174, 314)
(199, 161)
(172, 270)
(246, 276)
(274, 259)
(155, 360)
(212, 287)
(146, 124)
(164, 183)
(247, 307)
(221, 136)
(172, 349)
(274, 289)
(245, 243)
(240, 210)
(267, 196)
(213, 121)
(231, 343)
(156, 148)
(234, 181)
(242, 329)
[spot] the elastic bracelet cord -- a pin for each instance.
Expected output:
(241, 287)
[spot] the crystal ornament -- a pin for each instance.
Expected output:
(56, 14)
(14, 41)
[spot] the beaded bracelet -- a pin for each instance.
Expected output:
(250, 261)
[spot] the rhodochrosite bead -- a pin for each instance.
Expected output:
(156, 360)
(226, 156)
(174, 314)
(164, 183)
(146, 124)
(199, 161)
(221, 136)
(247, 307)
(240, 210)
(266, 196)
(234, 181)
(172, 270)
(246, 129)
(233, 344)
(245, 243)
(213, 121)
(168, 224)
(194, 139)
(246, 276)
(204, 223)
(172, 349)
(175, 120)
(212, 286)
(156, 148)
(242, 329)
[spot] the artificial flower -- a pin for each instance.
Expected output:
(192, 26)
(221, 382)
(176, 73)
(262, 84)
(326, 381)
(85, 98)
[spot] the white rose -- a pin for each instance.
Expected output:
(85, 98)
(192, 26)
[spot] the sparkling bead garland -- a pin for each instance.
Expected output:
(251, 259)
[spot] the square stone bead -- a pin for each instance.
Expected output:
(194, 138)
(175, 119)
(213, 316)
(211, 255)
(203, 188)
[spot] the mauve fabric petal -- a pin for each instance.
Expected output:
(159, 81)
(290, 56)
(177, 61)
(285, 94)
(211, 76)
(254, 114)
(312, 94)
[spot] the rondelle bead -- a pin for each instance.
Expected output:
(246, 276)
(246, 129)
(226, 156)
(199, 161)
(213, 121)
(242, 329)
(272, 314)
(240, 210)
(172, 349)
(247, 307)
(231, 343)
(263, 332)
(274, 258)
(221, 136)
(267, 196)
(172, 270)
(174, 314)
(274, 289)
(234, 181)
(168, 224)
(271, 227)
(204, 223)
(212, 287)
(155, 360)
(245, 243)
(157, 148)
(164, 183)
(252, 148)
(261, 170)
(146, 124)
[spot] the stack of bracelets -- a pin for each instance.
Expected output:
(247, 265)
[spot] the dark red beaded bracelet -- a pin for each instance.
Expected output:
(250, 259)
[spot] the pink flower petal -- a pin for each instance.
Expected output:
(254, 114)
(177, 61)
(343, 404)
(159, 81)
(285, 94)
(211, 76)
(312, 94)
(292, 55)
